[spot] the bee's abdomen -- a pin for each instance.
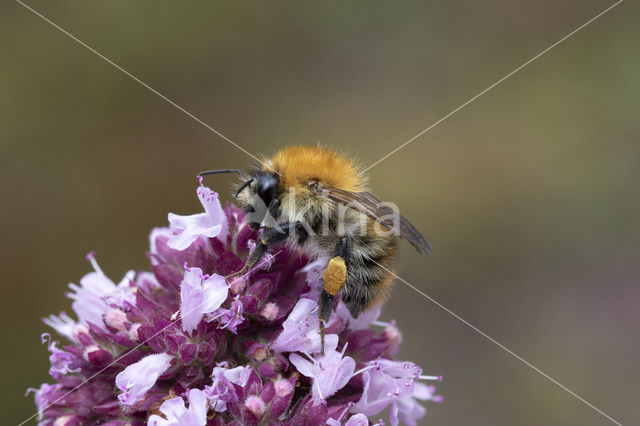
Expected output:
(369, 260)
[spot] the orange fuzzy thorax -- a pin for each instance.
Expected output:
(299, 164)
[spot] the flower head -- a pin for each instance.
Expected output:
(180, 345)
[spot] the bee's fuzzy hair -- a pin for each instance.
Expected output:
(297, 164)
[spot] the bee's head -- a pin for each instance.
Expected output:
(258, 193)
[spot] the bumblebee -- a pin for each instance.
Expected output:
(316, 199)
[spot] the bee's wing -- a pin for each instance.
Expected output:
(371, 206)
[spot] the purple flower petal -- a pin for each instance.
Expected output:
(388, 382)
(364, 320)
(62, 362)
(211, 223)
(231, 318)
(158, 244)
(200, 295)
(407, 409)
(178, 415)
(222, 391)
(138, 378)
(330, 372)
(355, 420)
(62, 324)
(90, 297)
(301, 331)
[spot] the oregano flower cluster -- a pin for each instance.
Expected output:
(182, 345)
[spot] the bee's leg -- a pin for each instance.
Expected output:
(334, 277)
(269, 237)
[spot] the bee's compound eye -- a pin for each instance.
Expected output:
(267, 187)
(313, 185)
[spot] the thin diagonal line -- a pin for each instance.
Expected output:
(494, 84)
(131, 350)
(145, 85)
(500, 345)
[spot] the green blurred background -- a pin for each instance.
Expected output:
(529, 195)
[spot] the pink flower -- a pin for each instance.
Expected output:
(355, 420)
(364, 320)
(63, 324)
(301, 331)
(135, 380)
(200, 294)
(405, 407)
(211, 223)
(45, 395)
(178, 415)
(388, 382)
(330, 372)
(222, 391)
(90, 298)
(62, 362)
(230, 318)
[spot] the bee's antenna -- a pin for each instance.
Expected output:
(243, 186)
(215, 172)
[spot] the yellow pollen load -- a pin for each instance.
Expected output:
(335, 275)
